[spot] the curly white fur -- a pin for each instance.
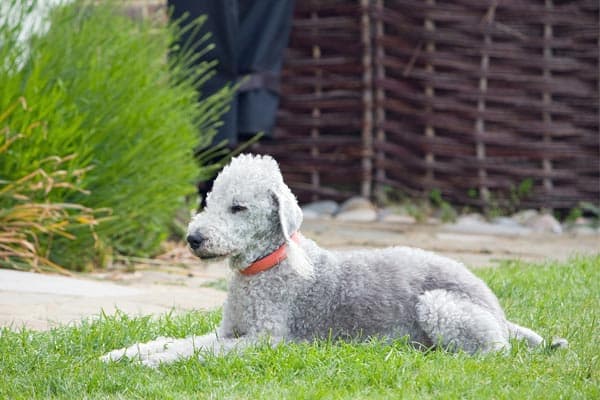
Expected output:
(316, 293)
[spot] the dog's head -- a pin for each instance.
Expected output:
(249, 213)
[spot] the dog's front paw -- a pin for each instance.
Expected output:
(156, 359)
(166, 357)
(138, 351)
(114, 355)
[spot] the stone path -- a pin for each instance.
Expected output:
(472, 247)
(180, 282)
(43, 301)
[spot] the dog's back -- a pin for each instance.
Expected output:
(374, 292)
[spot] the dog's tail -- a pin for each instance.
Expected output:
(533, 339)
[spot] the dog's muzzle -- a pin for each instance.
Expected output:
(195, 241)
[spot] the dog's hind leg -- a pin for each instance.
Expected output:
(456, 323)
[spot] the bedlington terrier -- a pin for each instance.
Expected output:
(286, 288)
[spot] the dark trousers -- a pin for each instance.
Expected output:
(250, 37)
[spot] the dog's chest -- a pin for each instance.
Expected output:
(256, 305)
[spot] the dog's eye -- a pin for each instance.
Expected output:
(236, 208)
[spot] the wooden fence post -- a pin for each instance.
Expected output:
(379, 97)
(315, 178)
(429, 99)
(547, 97)
(484, 193)
(367, 99)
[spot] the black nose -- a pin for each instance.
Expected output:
(195, 240)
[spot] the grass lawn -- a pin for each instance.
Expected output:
(553, 299)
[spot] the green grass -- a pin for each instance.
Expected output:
(554, 299)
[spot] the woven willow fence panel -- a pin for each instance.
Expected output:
(477, 99)
(319, 130)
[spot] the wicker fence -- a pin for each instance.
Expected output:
(470, 97)
(323, 123)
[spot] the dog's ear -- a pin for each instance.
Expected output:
(290, 219)
(290, 214)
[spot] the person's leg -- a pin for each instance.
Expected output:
(264, 34)
(222, 25)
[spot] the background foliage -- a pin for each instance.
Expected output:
(107, 94)
(28, 220)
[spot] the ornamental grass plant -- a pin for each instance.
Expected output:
(108, 94)
(29, 221)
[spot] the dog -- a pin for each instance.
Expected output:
(284, 287)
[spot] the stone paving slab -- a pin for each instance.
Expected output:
(17, 281)
(473, 249)
(43, 301)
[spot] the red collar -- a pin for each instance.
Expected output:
(270, 260)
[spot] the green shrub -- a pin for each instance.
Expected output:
(28, 220)
(107, 92)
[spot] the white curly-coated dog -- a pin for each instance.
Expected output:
(286, 288)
